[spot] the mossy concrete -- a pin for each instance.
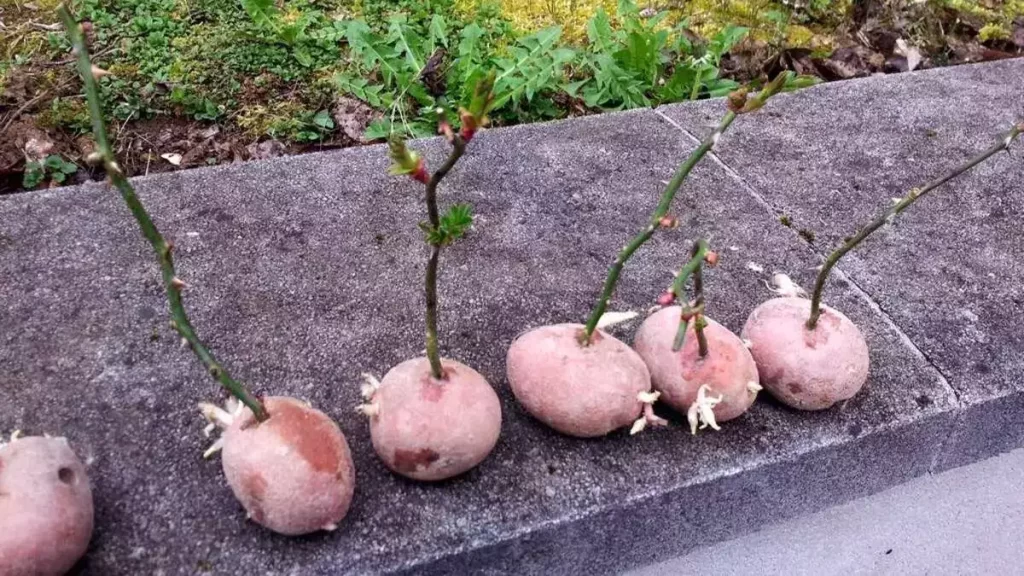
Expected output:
(304, 272)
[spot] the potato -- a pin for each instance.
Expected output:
(583, 391)
(46, 513)
(809, 370)
(293, 472)
(428, 429)
(728, 370)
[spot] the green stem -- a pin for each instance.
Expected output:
(692, 267)
(433, 355)
(655, 222)
(892, 212)
(695, 89)
(163, 249)
(738, 103)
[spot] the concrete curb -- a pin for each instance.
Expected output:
(306, 270)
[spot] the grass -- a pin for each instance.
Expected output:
(269, 68)
(275, 68)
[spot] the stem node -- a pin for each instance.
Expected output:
(748, 105)
(889, 216)
(180, 321)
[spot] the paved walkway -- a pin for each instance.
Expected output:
(969, 520)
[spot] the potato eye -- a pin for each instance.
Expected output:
(66, 475)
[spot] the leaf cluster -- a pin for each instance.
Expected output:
(630, 62)
(641, 62)
(53, 168)
(453, 225)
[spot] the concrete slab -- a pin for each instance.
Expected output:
(963, 521)
(950, 272)
(306, 271)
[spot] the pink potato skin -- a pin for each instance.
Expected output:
(428, 429)
(727, 369)
(46, 512)
(808, 370)
(293, 472)
(580, 391)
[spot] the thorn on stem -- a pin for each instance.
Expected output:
(177, 283)
(215, 371)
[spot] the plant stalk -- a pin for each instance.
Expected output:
(433, 355)
(737, 103)
(172, 284)
(693, 267)
(655, 222)
(904, 203)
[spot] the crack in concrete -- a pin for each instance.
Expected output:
(872, 303)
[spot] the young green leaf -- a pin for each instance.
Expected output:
(323, 120)
(405, 161)
(438, 32)
(406, 41)
(302, 56)
(34, 175)
(725, 40)
(453, 225)
(262, 12)
(599, 32)
(53, 162)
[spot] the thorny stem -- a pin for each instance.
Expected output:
(433, 356)
(738, 103)
(172, 284)
(655, 222)
(696, 311)
(904, 203)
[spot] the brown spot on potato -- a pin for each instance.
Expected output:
(795, 388)
(292, 423)
(411, 460)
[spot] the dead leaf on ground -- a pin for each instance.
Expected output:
(353, 117)
(266, 149)
(796, 59)
(173, 158)
(911, 53)
(850, 62)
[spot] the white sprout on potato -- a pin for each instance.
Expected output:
(648, 417)
(754, 388)
(783, 285)
(609, 319)
(221, 418)
(368, 390)
(702, 412)
(14, 437)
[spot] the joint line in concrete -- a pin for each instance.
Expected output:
(874, 305)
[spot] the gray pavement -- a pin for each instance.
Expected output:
(967, 520)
